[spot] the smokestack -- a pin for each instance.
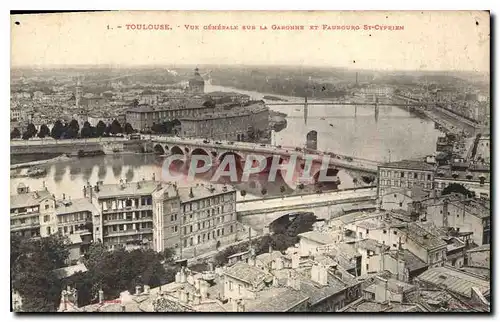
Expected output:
(137, 290)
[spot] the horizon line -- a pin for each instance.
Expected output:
(186, 65)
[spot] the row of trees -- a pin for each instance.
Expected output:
(33, 261)
(72, 130)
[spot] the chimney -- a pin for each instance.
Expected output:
(154, 177)
(101, 297)
(64, 196)
(197, 298)
(204, 289)
(197, 284)
(64, 301)
(137, 290)
(178, 277)
(270, 248)
(211, 266)
(295, 260)
(319, 274)
(183, 296)
(275, 281)
(146, 289)
(445, 212)
(183, 276)
(381, 290)
(191, 195)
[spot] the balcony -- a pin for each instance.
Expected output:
(27, 225)
(128, 209)
(127, 221)
(129, 232)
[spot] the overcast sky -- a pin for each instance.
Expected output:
(436, 40)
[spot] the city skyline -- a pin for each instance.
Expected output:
(85, 40)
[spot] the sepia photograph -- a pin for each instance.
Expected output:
(250, 161)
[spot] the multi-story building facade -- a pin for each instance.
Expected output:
(476, 179)
(28, 209)
(405, 174)
(40, 214)
(462, 215)
(144, 116)
(158, 216)
(125, 213)
(195, 219)
(234, 124)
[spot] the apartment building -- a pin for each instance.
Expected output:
(405, 174)
(156, 215)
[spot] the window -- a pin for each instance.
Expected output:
(402, 174)
(185, 242)
(395, 232)
(46, 218)
(218, 232)
(428, 177)
(367, 231)
(385, 231)
(230, 285)
(415, 176)
(367, 266)
(47, 206)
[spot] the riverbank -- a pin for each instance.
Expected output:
(59, 158)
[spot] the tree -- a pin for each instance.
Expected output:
(209, 103)
(457, 188)
(57, 130)
(26, 135)
(107, 131)
(74, 125)
(116, 127)
(158, 128)
(86, 131)
(33, 262)
(44, 131)
(100, 129)
(70, 133)
(128, 128)
(15, 133)
(31, 130)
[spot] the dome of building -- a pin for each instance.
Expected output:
(197, 79)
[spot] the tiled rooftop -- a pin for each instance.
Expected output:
(28, 199)
(454, 280)
(244, 272)
(409, 165)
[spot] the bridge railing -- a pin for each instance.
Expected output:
(65, 141)
(339, 191)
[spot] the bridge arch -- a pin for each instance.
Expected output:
(239, 160)
(199, 151)
(176, 150)
(312, 140)
(158, 149)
